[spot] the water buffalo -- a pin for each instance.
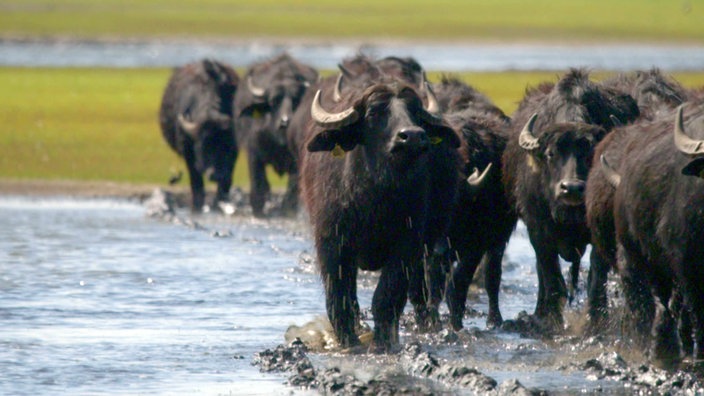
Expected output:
(659, 227)
(481, 220)
(657, 95)
(196, 121)
(546, 163)
(263, 110)
(356, 73)
(367, 180)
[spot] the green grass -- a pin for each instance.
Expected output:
(502, 20)
(101, 124)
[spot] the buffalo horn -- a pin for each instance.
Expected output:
(526, 139)
(256, 91)
(336, 94)
(611, 175)
(433, 106)
(189, 127)
(330, 120)
(476, 179)
(683, 142)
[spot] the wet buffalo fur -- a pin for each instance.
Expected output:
(482, 220)
(573, 115)
(657, 96)
(202, 93)
(262, 120)
(654, 91)
(660, 227)
(373, 208)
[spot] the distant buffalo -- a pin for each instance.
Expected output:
(264, 107)
(369, 180)
(482, 220)
(546, 163)
(660, 228)
(657, 95)
(196, 121)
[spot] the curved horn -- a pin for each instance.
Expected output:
(190, 127)
(256, 91)
(683, 142)
(336, 94)
(611, 175)
(433, 105)
(476, 179)
(526, 139)
(614, 120)
(329, 120)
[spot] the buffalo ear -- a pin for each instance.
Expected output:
(333, 140)
(444, 133)
(694, 168)
(255, 110)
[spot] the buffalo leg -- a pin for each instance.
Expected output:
(552, 291)
(290, 199)
(596, 290)
(340, 279)
(492, 284)
(259, 184)
(225, 179)
(387, 305)
(636, 289)
(458, 286)
(196, 180)
(426, 287)
(666, 349)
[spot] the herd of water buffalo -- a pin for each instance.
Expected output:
(423, 181)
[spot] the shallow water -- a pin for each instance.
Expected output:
(98, 298)
(449, 57)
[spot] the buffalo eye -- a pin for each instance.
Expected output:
(549, 154)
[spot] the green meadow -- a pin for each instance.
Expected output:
(502, 20)
(101, 124)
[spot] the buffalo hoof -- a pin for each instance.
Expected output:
(427, 320)
(494, 320)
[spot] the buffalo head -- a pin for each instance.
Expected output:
(561, 154)
(387, 118)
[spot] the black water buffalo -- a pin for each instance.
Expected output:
(196, 121)
(356, 73)
(482, 220)
(263, 109)
(546, 163)
(368, 183)
(660, 228)
(657, 95)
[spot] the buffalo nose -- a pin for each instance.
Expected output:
(284, 121)
(572, 187)
(412, 137)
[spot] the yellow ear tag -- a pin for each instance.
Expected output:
(256, 114)
(337, 151)
(435, 140)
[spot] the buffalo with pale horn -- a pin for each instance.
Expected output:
(546, 163)
(659, 229)
(264, 109)
(378, 176)
(482, 221)
(196, 121)
(657, 95)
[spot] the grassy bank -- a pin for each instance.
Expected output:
(101, 124)
(503, 20)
